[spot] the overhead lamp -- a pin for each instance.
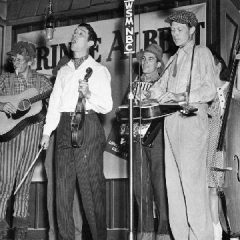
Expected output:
(49, 21)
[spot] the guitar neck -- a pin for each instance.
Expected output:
(40, 96)
(227, 107)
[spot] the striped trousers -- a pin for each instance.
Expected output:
(16, 156)
(84, 164)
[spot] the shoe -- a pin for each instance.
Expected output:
(20, 233)
(4, 227)
(217, 229)
(146, 236)
(163, 237)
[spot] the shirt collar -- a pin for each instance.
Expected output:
(71, 62)
(187, 48)
(78, 61)
(29, 75)
(152, 77)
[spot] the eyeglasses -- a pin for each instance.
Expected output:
(149, 59)
(17, 60)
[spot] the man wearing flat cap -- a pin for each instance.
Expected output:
(149, 177)
(189, 77)
(18, 152)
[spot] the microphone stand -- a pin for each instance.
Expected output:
(131, 97)
(129, 49)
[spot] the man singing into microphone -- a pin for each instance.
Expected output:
(189, 74)
(83, 163)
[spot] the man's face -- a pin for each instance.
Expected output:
(79, 39)
(20, 64)
(181, 33)
(149, 62)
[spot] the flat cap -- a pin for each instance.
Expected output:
(23, 48)
(184, 17)
(152, 48)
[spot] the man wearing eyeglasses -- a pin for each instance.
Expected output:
(17, 154)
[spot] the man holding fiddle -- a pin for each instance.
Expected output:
(82, 163)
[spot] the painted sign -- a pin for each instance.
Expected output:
(111, 51)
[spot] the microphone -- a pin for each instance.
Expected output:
(49, 33)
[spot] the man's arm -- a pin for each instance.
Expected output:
(206, 65)
(5, 106)
(53, 115)
(100, 93)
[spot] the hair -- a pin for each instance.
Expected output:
(92, 36)
(161, 68)
(188, 25)
(26, 49)
(224, 73)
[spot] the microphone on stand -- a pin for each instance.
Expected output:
(49, 22)
(49, 33)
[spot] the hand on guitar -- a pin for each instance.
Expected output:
(142, 95)
(84, 88)
(172, 97)
(8, 108)
(45, 141)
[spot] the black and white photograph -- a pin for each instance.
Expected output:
(119, 120)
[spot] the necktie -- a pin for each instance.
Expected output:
(174, 73)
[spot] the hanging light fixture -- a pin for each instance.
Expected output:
(49, 21)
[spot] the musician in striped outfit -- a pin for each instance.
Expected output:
(149, 177)
(83, 164)
(17, 154)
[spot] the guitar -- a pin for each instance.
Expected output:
(29, 110)
(148, 111)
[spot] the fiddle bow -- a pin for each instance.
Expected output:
(78, 116)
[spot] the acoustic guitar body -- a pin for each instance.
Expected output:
(26, 114)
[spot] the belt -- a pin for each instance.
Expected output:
(86, 112)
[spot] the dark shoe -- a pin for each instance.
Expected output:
(163, 237)
(20, 226)
(20, 233)
(146, 236)
(4, 227)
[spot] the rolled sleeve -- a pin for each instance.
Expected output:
(207, 89)
(160, 87)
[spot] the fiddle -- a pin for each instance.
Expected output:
(78, 116)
